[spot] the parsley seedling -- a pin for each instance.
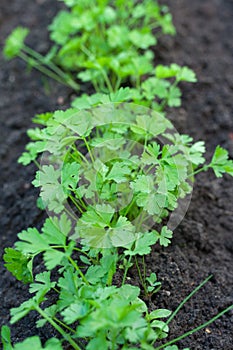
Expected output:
(111, 184)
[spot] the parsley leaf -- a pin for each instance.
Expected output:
(164, 236)
(221, 163)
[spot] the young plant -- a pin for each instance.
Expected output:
(110, 177)
(110, 56)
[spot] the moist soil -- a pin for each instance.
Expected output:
(203, 242)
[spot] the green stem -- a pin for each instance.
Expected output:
(76, 204)
(126, 270)
(140, 275)
(78, 154)
(89, 150)
(128, 208)
(118, 83)
(64, 325)
(204, 168)
(144, 267)
(140, 220)
(70, 214)
(40, 68)
(58, 328)
(78, 269)
(184, 302)
(107, 81)
(37, 164)
(195, 329)
(64, 76)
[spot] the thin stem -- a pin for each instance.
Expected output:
(140, 220)
(51, 74)
(107, 80)
(140, 275)
(89, 150)
(42, 60)
(184, 302)
(126, 270)
(78, 269)
(64, 76)
(128, 208)
(118, 83)
(149, 169)
(40, 68)
(57, 327)
(37, 164)
(144, 267)
(204, 168)
(76, 204)
(195, 329)
(63, 325)
(70, 214)
(78, 154)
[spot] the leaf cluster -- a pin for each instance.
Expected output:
(114, 175)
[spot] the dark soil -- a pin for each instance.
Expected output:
(203, 242)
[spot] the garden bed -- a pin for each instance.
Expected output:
(203, 243)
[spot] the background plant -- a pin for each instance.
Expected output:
(107, 58)
(118, 52)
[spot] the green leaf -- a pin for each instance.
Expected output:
(15, 42)
(150, 125)
(153, 87)
(97, 229)
(142, 244)
(53, 258)
(99, 342)
(151, 153)
(117, 36)
(181, 73)
(75, 311)
(121, 95)
(26, 158)
(186, 74)
(19, 312)
(220, 162)
(70, 175)
(164, 236)
(142, 40)
(159, 313)
(122, 232)
(154, 285)
(152, 202)
(52, 191)
(18, 264)
(35, 344)
(6, 338)
(31, 242)
(119, 172)
(174, 97)
(80, 122)
(42, 285)
(196, 153)
(55, 230)
(143, 184)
